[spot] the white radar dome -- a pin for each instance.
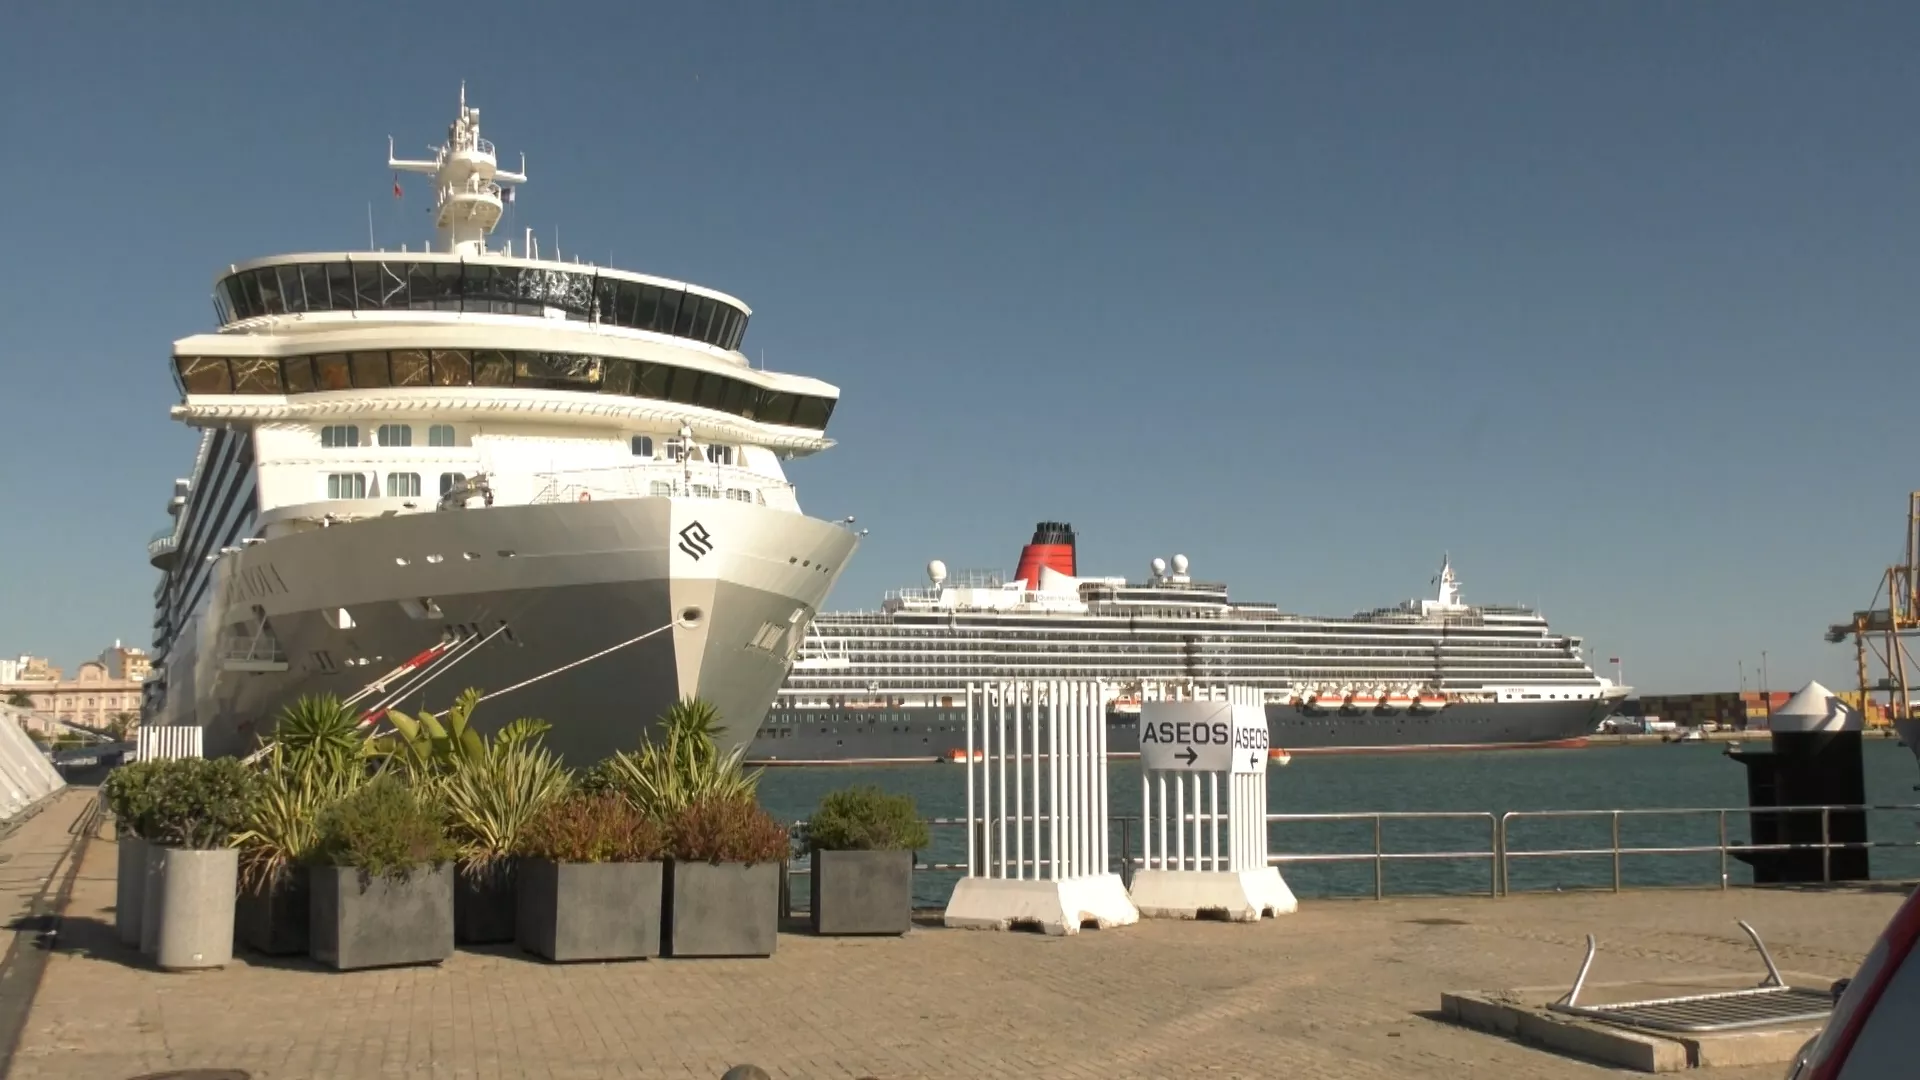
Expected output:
(936, 571)
(1179, 564)
(1159, 567)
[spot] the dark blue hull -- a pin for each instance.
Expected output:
(801, 736)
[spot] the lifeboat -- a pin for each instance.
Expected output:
(1330, 700)
(1277, 756)
(1429, 701)
(1397, 699)
(959, 756)
(1364, 700)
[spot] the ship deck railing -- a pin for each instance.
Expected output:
(1483, 849)
(671, 479)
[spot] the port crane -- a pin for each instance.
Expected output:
(1880, 634)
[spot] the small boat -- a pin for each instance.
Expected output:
(1330, 700)
(958, 756)
(1430, 702)
(1277, 756)
(1397, 700)
(1364, 700)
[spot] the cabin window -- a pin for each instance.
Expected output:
(643, 446)
(336, 436)
(451, 480)
(661, 489)
(403, 485)
(720, 455)
(740, 495)
(346, 485)
(675, 451)
(440, 435)
(395, 435)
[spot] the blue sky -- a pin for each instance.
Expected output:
(1613, 302)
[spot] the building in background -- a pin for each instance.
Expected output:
(100, 692)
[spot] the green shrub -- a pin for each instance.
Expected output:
(129, 791)
(492, 797)
(198, 803)
(598, 780)
(720, 828)
(683, 765)
(593, 829)
(866, 819)
(386, 829)
(283, 827)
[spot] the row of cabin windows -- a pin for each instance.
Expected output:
(578, 372)
(717, 454)
(335, 436)
(399, 485)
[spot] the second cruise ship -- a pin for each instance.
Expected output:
(891, 685)
(468, 465)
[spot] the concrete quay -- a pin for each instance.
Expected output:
(1348, 989)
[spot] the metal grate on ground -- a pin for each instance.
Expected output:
(1771, 1004)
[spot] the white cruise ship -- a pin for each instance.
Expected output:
(890, 685)
(469, 465)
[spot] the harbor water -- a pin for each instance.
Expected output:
(1672, 775)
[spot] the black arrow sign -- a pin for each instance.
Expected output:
(1189, 757)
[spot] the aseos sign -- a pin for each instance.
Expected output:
(1203, 736)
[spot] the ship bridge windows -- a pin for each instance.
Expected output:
(642, 446)
(441, 435)
(394, 435)
(492, 367)
(584, 295)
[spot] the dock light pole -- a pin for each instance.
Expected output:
(1764, 695)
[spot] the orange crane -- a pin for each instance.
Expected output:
(1879, 633)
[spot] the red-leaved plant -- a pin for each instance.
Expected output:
(584, 828)
(717, 829)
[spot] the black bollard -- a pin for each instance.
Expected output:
(1815, 760)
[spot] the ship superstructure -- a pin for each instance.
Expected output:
(1430, 672)
(565, 481)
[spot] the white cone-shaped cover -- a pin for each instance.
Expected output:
(1815, 708)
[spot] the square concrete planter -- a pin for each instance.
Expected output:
(590, 911)
(358, 921)
(273, 915)
(861, 892)
(129, 885)
(722, 909)
(483, 903)
(196, 888)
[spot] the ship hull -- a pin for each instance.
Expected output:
(555, 595)
(933, 733)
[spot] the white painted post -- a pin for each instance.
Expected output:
(973, 854)
(1070, 843)
(1215, 730)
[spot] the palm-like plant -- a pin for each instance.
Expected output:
(494, 795)
(684, 765)
(321, 733)
(283, 825)
(424, 746)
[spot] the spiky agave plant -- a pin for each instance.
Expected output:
(683, 764)
(321, 733)
(282, 827)
(492, 796)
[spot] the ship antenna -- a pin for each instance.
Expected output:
(468, 198)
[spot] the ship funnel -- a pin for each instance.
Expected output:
(1052, 546)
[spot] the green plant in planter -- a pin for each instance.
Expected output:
(683, 765)
(130, 790)
(386, 829)
(424, 746)
(198, 803)
(283, 826)
(492, 797)
(866, 819)
(725, 829)
(584, 828)
(321, 734)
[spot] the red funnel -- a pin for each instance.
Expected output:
(1052, 546)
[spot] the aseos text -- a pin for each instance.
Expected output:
(1167, 731)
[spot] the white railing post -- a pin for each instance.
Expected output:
(1071, 841)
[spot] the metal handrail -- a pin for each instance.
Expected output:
(1616, 851)
(1499, 853)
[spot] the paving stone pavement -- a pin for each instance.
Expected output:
(1344, 989)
